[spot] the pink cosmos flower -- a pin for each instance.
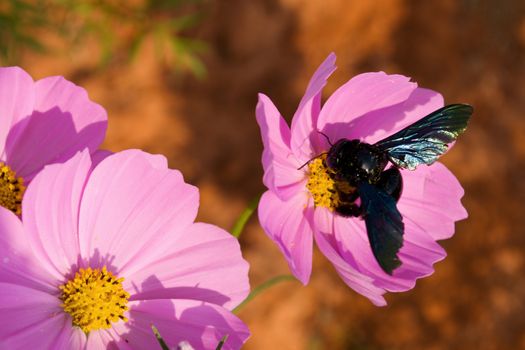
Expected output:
(41, 122)
(369, 107)
(103, 254)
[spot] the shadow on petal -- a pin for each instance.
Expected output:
(48, 137)
(378, 124)
(201, 324)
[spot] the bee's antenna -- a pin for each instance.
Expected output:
(326, 137)
(308, 162)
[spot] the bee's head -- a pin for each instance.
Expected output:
(337, 154)
(356, 161)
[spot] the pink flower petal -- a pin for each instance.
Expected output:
(64, 122)
(115, 340)
(71, 338)
(200, 324)
(378, 124)
(418, 254)
(30, 319)
(369, 107)
(98, 156)
(158, 161)
(432, 199)
(360, 95)
(280, 164)
(50, 213)
(102, 340)
(131, 336)
(18, 264)
(17, 98)
(353, 245)
(362, 284)
(130, 209)
(43, 335)
(324, 219)
(305, 138)
(288, 225)
(204, 263)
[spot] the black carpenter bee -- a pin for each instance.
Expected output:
(360, 172)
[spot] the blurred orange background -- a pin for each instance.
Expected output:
(472, 51)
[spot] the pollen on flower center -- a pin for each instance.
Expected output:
(11, 189)
(321, 185)
(94, 298)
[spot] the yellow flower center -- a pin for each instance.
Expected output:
(325, 191)
(94, 298)
(11, 189)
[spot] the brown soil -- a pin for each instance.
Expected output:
(470, 50)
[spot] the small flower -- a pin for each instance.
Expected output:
(299, 204)
(102, 255)
(41, 123)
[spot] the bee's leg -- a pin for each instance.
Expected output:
(349, 209)
(391, 182)
(347, 197)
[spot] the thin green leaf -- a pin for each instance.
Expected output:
(136, 45)
(161, 341)
(221, 343)
(195, 45)
(198, 68)
(184, 22)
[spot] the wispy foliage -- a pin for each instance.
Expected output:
(118, 29)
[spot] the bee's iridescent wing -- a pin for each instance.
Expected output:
(428, 138)
(384, 225)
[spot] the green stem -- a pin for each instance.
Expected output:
(238, 227)
(261, 288)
